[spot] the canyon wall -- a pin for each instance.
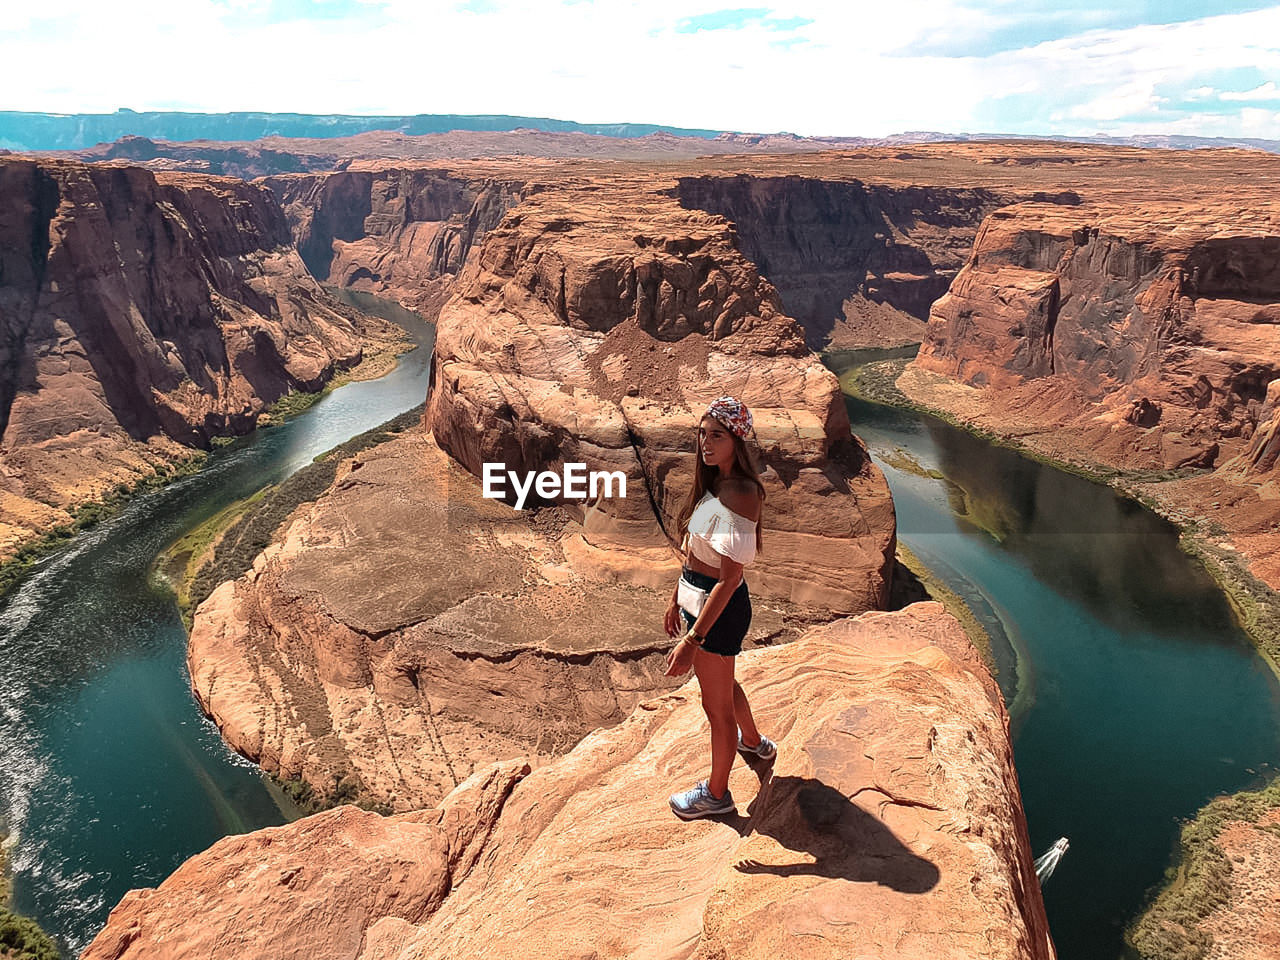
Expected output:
(141, 312)
(1167, 333)
(404, 630)
(1141, 336)
(401, 232)
(594, 326)
(888, 825)
(244, 160)
(858, 264)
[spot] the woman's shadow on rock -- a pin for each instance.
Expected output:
(846, 842)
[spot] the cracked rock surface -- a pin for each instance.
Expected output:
(404, 631)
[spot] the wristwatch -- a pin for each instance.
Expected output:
(694, 637)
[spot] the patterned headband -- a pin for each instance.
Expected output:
(733, 414)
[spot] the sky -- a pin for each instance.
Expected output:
(1068, 67)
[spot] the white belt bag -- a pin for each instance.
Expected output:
(689, 597)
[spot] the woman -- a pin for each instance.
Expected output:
(721, 524)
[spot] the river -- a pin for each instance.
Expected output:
(1135, 697)
(110, 777)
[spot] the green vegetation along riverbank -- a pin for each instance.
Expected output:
(1204, 879)
(20, 937)
(87, 515)
(376, 363)
(955, 604)
(1256, 606)
(182, 560)
(224, 547)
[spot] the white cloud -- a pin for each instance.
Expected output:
(1266, 91)
(1115, 79)
(623, 60)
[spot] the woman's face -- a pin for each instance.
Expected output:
(716, 443)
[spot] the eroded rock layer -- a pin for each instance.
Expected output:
(857, 264)
(405, 631)
(889, 825)
(1130, 333)
(141, 312)
(589, 326)
(593, 326)
(1162, 326)
(401, 232)
(1223, 901)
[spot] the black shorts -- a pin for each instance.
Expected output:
(730, 629)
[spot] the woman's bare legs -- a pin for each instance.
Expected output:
(719, 702)
(742, 714)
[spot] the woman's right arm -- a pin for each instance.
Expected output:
(671, 620)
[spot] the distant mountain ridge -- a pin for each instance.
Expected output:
(1162, 141)
(23, 131)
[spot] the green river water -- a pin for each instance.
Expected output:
(109, 775)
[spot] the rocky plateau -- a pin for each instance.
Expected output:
(404, 629)
(597, 307)
(889, 825)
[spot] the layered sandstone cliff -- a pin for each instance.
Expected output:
(142, 312)
(1132, 334)
(889, 825)
(593, 326)
(405, 631)
(1157, 329)
(398, 231)
(858, 264)
(273, 155)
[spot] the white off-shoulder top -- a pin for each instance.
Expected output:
(715, 532)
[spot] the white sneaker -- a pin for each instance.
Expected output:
(766, 749)
(699, 802)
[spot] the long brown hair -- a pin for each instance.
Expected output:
(704, 475)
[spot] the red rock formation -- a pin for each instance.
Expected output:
(1124, 311)
(593, 326)
(309, 890)
(1128, 333)
(890, 825)
(139, 309)
(1223, 900)
(1247, 925)
(246, 160)
(269, 156)
(397, 231)
(857, 264)
(405, 631)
